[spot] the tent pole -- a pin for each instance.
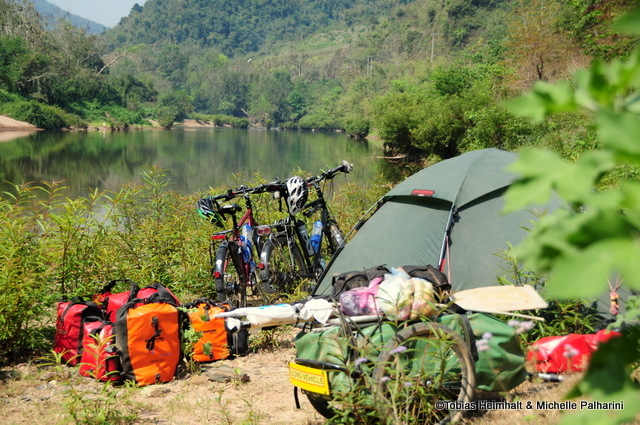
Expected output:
(444, 238)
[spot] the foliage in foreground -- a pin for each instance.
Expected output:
(585, 250)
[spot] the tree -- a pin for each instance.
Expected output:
(176, 103)
(535, 47)
(12, 54)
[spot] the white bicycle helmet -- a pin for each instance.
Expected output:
(297, 193)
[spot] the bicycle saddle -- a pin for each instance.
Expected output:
(230, 209)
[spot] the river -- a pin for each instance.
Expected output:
(197, 159)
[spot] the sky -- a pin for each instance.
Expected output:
(105, 12)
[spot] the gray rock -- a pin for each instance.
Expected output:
(226, 374)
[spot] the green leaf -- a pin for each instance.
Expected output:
(544, 171)
(619, 132)
(576, 181)
(545, 99)
(539, 171)
(585, 274)
(629, 23)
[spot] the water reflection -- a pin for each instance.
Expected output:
(7, 136)
(198, 158)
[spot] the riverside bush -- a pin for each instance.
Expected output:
(318, 122)
(36, 113)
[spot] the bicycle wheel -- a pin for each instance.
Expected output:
(282, 267)
(229, 276)
(424, 370)
(321, 405)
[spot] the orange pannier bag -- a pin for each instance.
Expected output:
(148, 335)
(214, 343)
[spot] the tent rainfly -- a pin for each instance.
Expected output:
(448, 215)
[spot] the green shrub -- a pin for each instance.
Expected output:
(72, 120)
(318, 122)
(25, 274)
(357, 127)
(288, 125)
(238, 122)
(6, 97)
(36, 113)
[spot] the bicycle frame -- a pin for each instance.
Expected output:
(227, 247)
(312, 259)
(234, 234)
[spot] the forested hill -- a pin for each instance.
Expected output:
(236, 26)
(428, 75)
(241, 26)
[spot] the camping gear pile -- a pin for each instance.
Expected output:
(406, 293)
(448, 215)
(136, 335)
(374, 312)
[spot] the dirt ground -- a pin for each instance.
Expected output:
(49, 394)
(11, 129)
(7, 123)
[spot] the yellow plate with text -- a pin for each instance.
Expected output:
(308, 378)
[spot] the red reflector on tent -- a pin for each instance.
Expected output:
(217, 237)
(422, 192)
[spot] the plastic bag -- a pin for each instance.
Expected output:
(423, 304)
(361, 301)
(395, 295)
(404, 298)
(316, 308)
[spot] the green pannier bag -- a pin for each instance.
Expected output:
(499, 368)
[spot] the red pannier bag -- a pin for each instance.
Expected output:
(157, 287)
(111, 303)
(99, 353)
(556, 354)
(69, 330)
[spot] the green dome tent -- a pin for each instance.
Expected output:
(448, 215)
(456, 203)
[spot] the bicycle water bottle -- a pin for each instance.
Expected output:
(302, 228)
(247, 235)
(316, 234)
(336, 234)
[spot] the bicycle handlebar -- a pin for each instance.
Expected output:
(277, 185)
(245, 190)
(345, 167)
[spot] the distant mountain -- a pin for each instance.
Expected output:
(51, 13)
